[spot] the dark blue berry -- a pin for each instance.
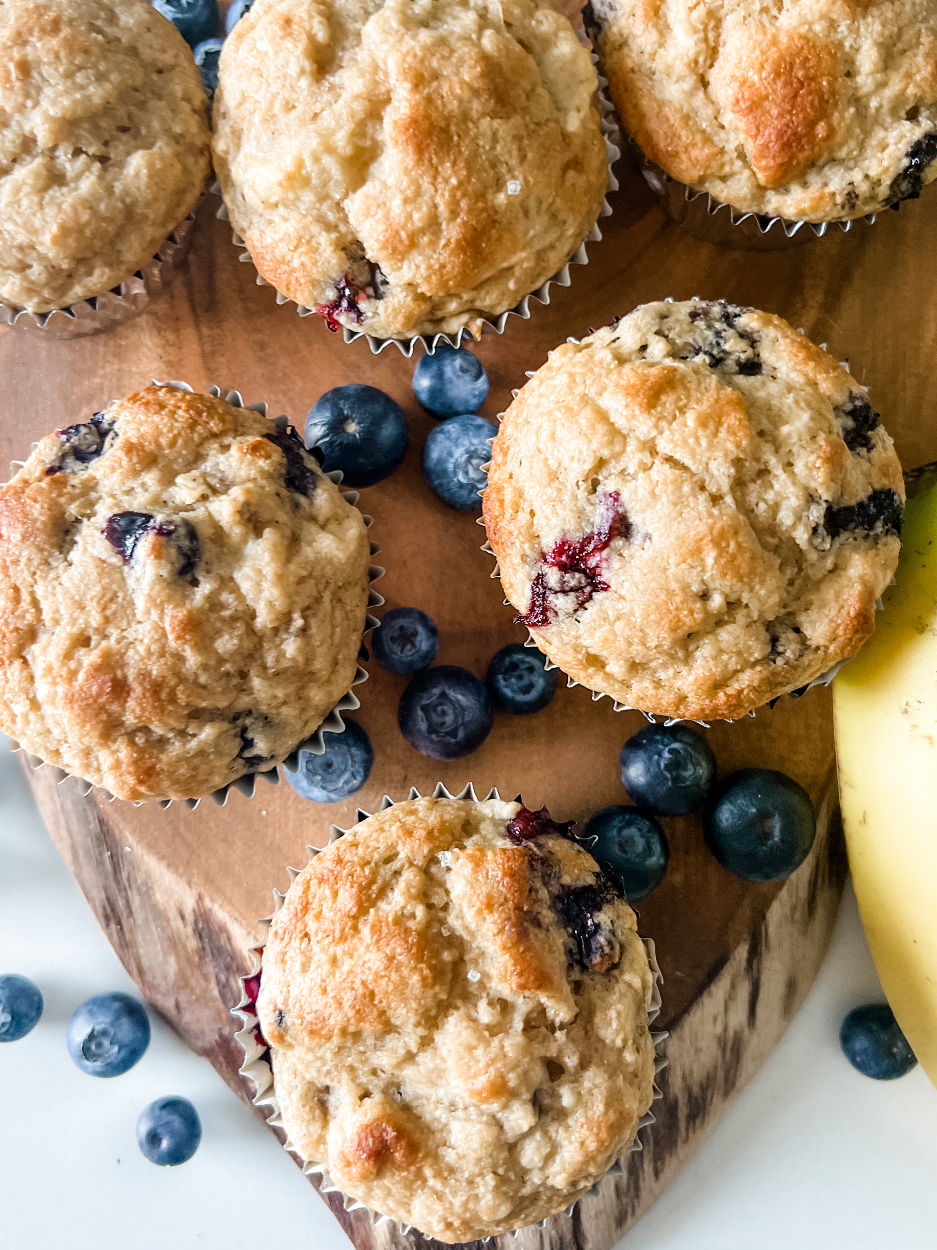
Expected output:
(81, 444)
(339, 772)
(298, 471)
(630, 846)
(519, 681)
(668, 770)
(108, 1034)
(406, 641)
(183, 548)
(207, 54)
(235, 12)
(20, 1007)
(452, 461)
(195, 20)
(874, 1044)
(445, 712)
(359, 430)
(451, 382)
(169, 1131)
(879, 513)
(910, 182)
(761, 825)
(124, 530)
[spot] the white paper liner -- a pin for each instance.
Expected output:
(112, 308)
(331, 723)
(256, 1066)
(491, 324)
(823, 679)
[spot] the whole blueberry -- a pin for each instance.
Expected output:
(874, 1044)
(445, 712)
(406, 641)
(359, 430)
(207, 54)
(234, 14)
(761, 825)
(169, 1131)
(195, 20)
(451, 382)
(20, 1007)
(668, 770)
(519, 681)
(108, 1034)
(452, 461)
(339, 772)
(630, 846)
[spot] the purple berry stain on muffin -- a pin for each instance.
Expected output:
(527, 825)
(82, 444)
(580, 907)
(856, 420)
(578, 565)
(879, 513)
(716, 319)
(299, 477)
(345, 303)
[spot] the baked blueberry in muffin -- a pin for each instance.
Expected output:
(455, 999)
(694, 510)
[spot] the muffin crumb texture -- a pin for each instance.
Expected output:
(456, 1004)
(408, 167)
(816, 112)
(182, 596)
(694, 510)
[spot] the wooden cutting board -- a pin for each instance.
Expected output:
(179, 892)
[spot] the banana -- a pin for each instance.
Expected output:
(885, 716)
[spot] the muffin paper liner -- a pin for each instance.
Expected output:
(332, 723)
(492, 323)
(823, 679)
(122, 303)
(257, 1068)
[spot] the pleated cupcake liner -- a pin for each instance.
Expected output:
(257, 1067)
(332, 723)
(492, 323)
(112, 308)
(823, 679)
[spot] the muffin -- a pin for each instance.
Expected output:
(408, 167)
(104, 147)
(456, 1004)
(182, 596)
(694, 510)
(816, 112)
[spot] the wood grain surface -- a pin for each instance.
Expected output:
(179, 892)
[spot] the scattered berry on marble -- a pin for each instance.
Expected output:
(359, 430)
(519, 680)
(452, 461)
(108, 1034)
(668, 770)
(760, 825)
(874, 1044)
(339, 772)
(169, 1131)
(195, 20)
(235, 12)
(445, 712)
(20, 1006)
(630, 846)
(207, 54)
(450, 383)
(406, 641)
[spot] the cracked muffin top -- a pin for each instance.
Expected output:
(809, 111)
(182, 596)
(694, 510)
(409, 166)
(104, 146)
(456, 1003)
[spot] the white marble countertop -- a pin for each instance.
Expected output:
(810, 1155)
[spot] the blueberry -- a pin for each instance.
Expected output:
(195, 20)
(452, 461)
(359, 430)
(451, 382)
(445, 712)
(207, 54)
(874, 1044)
(406, 641)
(339, 772)
(668, 770)
(630, 846)
(519, 681)
(169, 1131)
(108, 1034)
(124, 530)
(298, 473)
(761, 825)
(234, 14)
(20, 1007)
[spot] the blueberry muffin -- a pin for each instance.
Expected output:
(694, 510)
(456, 1003)
(816, 112)
(408, 167)
(182, 596)
(104, 146)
